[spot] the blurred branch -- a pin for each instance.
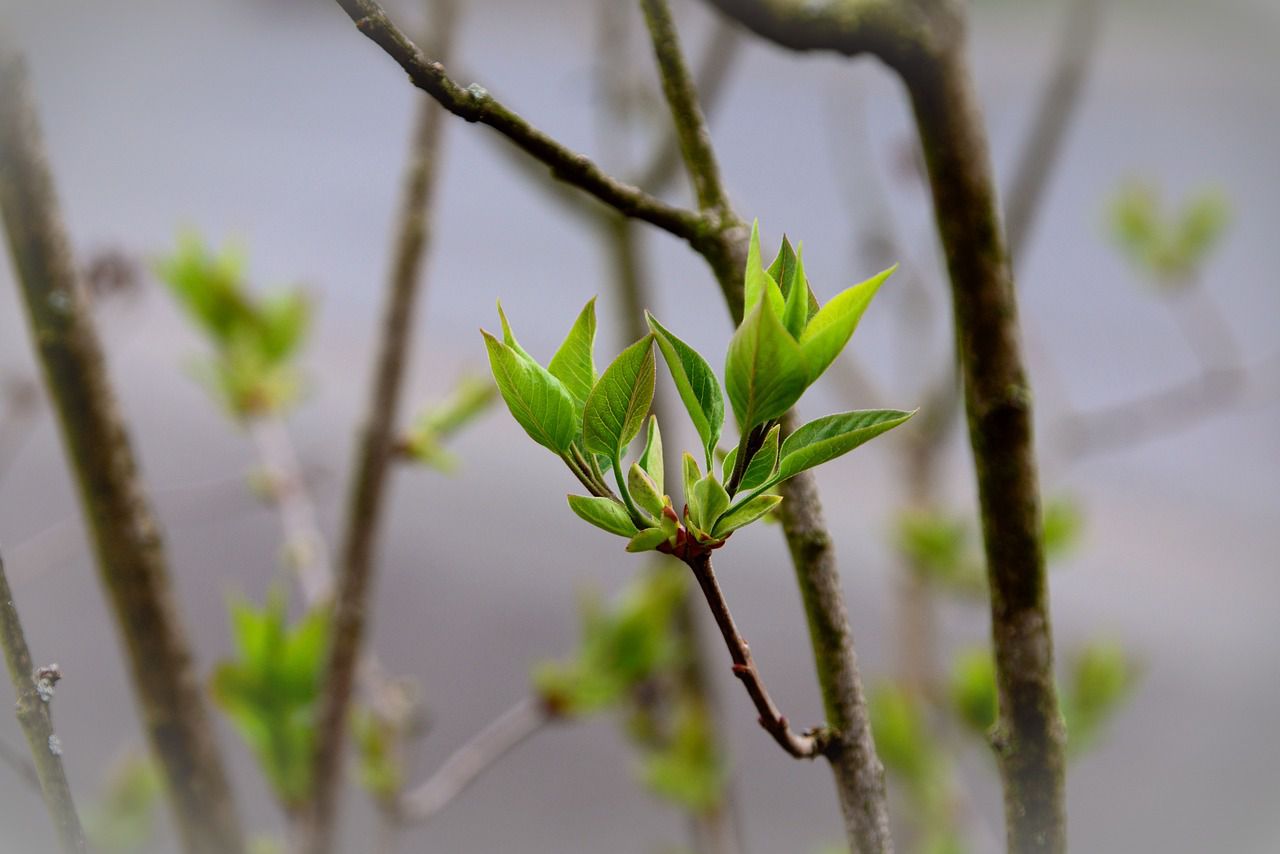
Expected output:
(129, 551)
(20, 764)
(376, 445)
(460, 770)
(34, 690)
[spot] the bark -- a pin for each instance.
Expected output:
(126, 540)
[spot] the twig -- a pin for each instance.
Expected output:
(375, 449)
(801, 746)
(460, 770)
(34, 689)
(129, 551)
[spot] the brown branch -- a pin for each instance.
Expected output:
(34, 690)
(460, 770)
(375, 449)
(801, 746)
(475, 104)
(127, 543)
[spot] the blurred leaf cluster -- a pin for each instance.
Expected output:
(424, 443)
(271, 688)
(1169, 247)
(255, 339)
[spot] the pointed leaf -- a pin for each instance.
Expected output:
(758, 282)
(509, 338)
(710, 501)
(745, 513)
(764, 463)
(765, 371)
(643, 491)
(617, 406)
(604, 513)
(830, 329)
(537, 400)
(783, 270)
(574, 364)
(691, 475)
(697, 384)
(647, 540)
(796, 312)
(832, 436)
(651, 459)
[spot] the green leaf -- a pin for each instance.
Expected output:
(647, 540)
(651, 459)
(697, 384)
(973, 689)
(604, 513)
(745, 513)
(763, 464)
(509, 338)
(709, 502)
(795, 314)
(691, 475)
(783, 271)
(643, 490)
(758, 282)
(574, 364)
(1061, 525)
(832, 436)
(538, 401)
(617, 406)
(833, 325)
(765, 370)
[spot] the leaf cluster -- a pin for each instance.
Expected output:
(1170, 247)
(784, 343)
(425, 441)
(255, 339)
(271, 688)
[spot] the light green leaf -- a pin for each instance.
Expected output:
(758, 282)
(647, 540)
(833, 325)
(604, 513)
(509, 338)
(537, 400)
(709, 502)
(691, 474)
(832, 436)
(651, 459)
(617, 406)
(697, 384)
(764, 463)
(783, 270)
(643, 490)
(765, 371)
(796, 312)
(574, 364)
(745, 513)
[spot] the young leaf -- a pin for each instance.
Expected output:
(647, 540)
(617, 406)
(710, 502)
(509, 338)
(643, 490)
(796, 312)
(832, 436)
(758, 282)
(833, 325)
(651, 459)
(764, 463)
(604, 513)
(697, 384)
(765, 371)
(691, 476)
(574, 364)
(537, 400)
(744, 514)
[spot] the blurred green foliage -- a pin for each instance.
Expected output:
(270, 690)
(470, 399)
(1169, 247)
(124, 816)
(256, 339)
(688, 769)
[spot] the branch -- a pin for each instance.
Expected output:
(475, 104)
(375, 451)
(34, 689)
(468, 762)
(130, 554)
(888, 29)
(805, 746)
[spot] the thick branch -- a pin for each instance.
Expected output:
(126, 540)
(37, 722)
(889, 29)
(476, 105)
(366, 498)
(805, 746)
(468, 762)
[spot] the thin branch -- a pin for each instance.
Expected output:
(504, 734)
(129, 551)
(375, 450)
(475, 104)
(34, 690)
(801, 746)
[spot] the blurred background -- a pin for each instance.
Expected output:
(276, 126)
